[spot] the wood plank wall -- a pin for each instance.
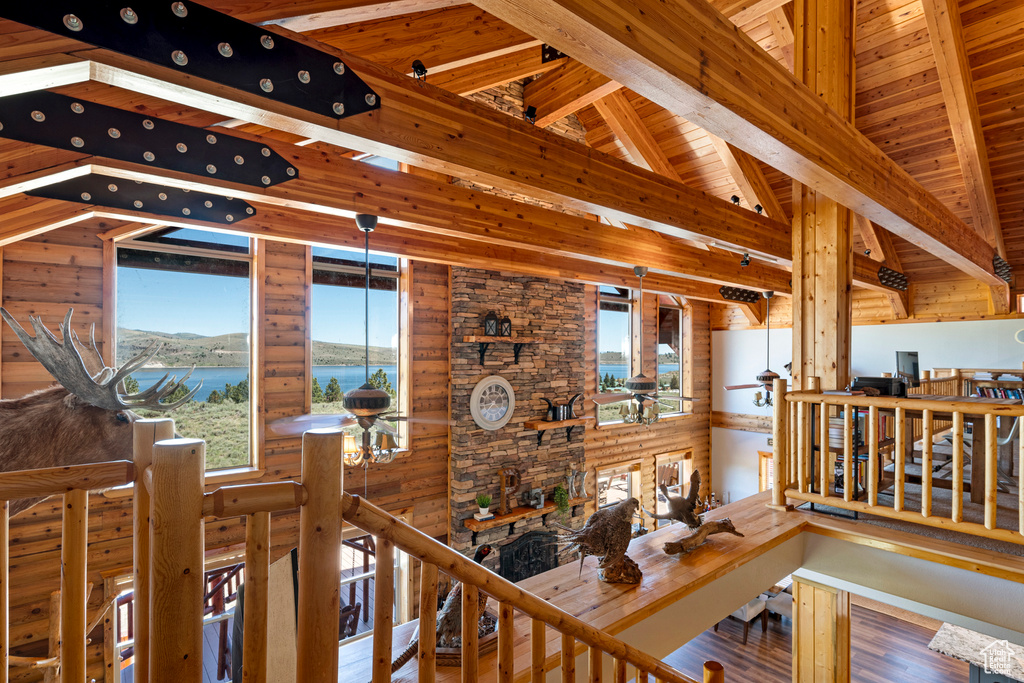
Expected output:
(609, 445)
(45, 275)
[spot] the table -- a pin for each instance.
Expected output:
(977, 422)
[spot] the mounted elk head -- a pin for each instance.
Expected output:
(85, 420)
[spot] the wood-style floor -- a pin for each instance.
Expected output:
(885, 649)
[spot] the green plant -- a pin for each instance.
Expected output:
(561, 498)
(483, 500)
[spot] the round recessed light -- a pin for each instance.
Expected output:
(77, 141)
(77, 107)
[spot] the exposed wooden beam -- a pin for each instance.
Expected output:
(691, 60)
(943, 17)
(747, 173)
(631, 131)
(781, 21)
(879, 243)
(466, 80)
(428, 127)
(754, 312)
(332, 12)
(439, 39)
(741, 12)
(564, 90)
(304, 227)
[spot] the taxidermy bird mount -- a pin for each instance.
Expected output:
(449, 618)
(683, 509)
(606, 535)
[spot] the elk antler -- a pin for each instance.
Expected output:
(63, 360)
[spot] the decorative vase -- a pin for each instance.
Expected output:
(484, 511)
(581, 490)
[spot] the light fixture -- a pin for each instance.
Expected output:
(418, 70)
(367, 402)
(642, 387)
(867, 252)
(767, 377)
(745, 261)
(735, 200)
(758, 208)
(530, 114)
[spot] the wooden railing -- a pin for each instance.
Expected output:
(168, 614)
(73, 483)
(803, 468)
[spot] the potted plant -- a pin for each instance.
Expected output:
(561, 498)
(484, 501)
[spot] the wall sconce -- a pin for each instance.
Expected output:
(419, 71)
(530, 114)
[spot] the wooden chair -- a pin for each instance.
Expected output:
(748, 613)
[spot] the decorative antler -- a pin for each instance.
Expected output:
(104, 389)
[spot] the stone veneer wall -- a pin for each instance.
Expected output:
(552, 313)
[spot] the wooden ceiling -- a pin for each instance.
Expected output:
(906, 100)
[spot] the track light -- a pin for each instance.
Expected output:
(867, 252)
(418, 70)
(758, 208)
(745, 261)
(530, 114)
(735, 200)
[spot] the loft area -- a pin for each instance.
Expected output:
(519, 182)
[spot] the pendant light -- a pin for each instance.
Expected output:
(768, 376)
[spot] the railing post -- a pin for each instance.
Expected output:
(957, 513)
(320, 558)
(73, 548)
(428, 622)
(568, 659)
(538, 650)
(145, 434)
(506, 643)
(991, 455)
(926, 462)
(470, 633)
(383, 610)
(177, 537)
(594, 665)
(714, 672)
(5, 598)
(779, 434)
(257, 598)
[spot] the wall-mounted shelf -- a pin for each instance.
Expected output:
(516, 515)
(543, 425)
(485, 343)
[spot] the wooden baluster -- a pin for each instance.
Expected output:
(847, 453)
(872, 437)
(642, 677)
(5, 597)
(145, 433)
(1020, 485)
(991, 474)
(257, 597)
(803, 445)
(823, 452)
(792, 426)
(779, 440)
(428, 622)
(74, 546)
(814, 385)
(926, 463)
(596, 662)
(620, 671)
(900, 458)
(320, 563)
(958, 383)
(714, 672)
(958, 468)
(506, 643)
(384, 610)
(176, 609)
(470, 634)
(568, 659)
(538, 650)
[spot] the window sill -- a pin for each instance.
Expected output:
(215, 478)
(620, 423)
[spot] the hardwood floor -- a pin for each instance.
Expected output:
(885, 649)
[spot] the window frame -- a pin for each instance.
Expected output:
(632, 468)
(256, 467)
(627, 298)
(683, 459)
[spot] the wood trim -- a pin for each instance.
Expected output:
(258, 352)
(564, 90)
(466, 80)
(327, 14)
(109, 326)
(746, 172)
(633, 133)
(879, 242)
(658, 50)
(308, 356)
(758, 424)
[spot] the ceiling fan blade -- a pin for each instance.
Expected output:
(742, 386)
(384, 426)
(420, 420)
(603, 399)
(303, 423)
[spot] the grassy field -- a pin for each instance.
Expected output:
(224, 427)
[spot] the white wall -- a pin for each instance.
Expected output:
(738, 356)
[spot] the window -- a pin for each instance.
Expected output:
(766, 470)
(337, 315)
(358, 574)
(673, 470)
(190, 291)
(670, 360)
(613, 346)
(617, 483)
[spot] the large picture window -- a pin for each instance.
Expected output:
(670, 360)
(189, 290)
(614, 349)
(337, 315)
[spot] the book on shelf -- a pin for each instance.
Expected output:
(480, 518)
(982, 376)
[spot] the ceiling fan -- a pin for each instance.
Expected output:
(367, 405)
(639, 388)
(766, 377)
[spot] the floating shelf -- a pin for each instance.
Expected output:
(516, 515)
(485, 343)
(543, 425)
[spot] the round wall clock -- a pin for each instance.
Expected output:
(1019, 336)
(492, 402)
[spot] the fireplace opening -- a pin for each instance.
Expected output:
(528, 555)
